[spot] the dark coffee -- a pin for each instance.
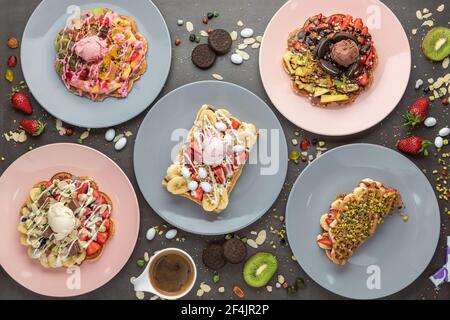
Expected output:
(171, 273)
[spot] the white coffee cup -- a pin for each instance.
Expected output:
(144, 284)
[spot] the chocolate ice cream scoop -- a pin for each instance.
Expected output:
(345, 52)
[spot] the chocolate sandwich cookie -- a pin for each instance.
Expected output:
(213, 256)
(234, 250)
(203, 56)
(220, 41)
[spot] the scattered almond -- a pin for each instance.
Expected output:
(206, 288)
(217, 76)
(189, 26)
(249, 40)
(428, 23)
(200, 292)
(252, 243)
(118, 137)
(240, 23)
(233, 35)
(261, 238)
(140, 295)
(419, 15)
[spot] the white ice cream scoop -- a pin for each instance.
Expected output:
(61, 219)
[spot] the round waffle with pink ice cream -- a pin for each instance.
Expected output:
(101, 54)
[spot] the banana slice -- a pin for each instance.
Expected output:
(209, 115)
(35, 193)
(23, 240)
(51, 260)
(177, 185)
(22, 229)
(248, 134)
(224, 113)
(80, 258)
(210, 201)
(223, 202)
(173, 171)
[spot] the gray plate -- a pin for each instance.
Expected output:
(253, 194)
(398, 252)
(38, 55)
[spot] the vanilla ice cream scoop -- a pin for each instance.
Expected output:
(61, 220)
(91, 48)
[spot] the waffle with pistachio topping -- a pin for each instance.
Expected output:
(354, 217)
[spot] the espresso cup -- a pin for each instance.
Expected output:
(148, 282)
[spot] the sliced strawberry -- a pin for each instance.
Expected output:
(69, 75)
(358, 23)
(107, 224)
(87, 211)
(95, 194)
(198, 194)
(337, 19)
(135, 56)
(84, 223)
(218, 171)
(83, 237)
(365, 31)
(346, 22)
(325, 241)
(106, 214)
(235, 124)
(239, 158)
(102, 237)
(93, 248)
(82, 187)
(361, 40)
(363, 80)
(48, 184)
(329, 221)
(297, 46)
(103, 20)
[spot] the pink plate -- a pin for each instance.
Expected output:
(372, 106)
(38, 165)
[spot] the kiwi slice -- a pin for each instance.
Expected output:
(436, 44)
(259, 269)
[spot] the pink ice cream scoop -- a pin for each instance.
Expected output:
(213, 151)
(91, 48)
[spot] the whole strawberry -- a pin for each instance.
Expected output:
(413, 145)
(20, 101)
(417, 112)
(32, 126)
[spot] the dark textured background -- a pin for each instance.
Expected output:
(256, 14)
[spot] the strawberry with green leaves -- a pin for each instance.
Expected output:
(32, 126)
(20, 101)
(417, 112)
(413, 145)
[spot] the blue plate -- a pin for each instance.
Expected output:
(396, 254)
(38, 58)
(161, 135)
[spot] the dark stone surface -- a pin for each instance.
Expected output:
(256, 14)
